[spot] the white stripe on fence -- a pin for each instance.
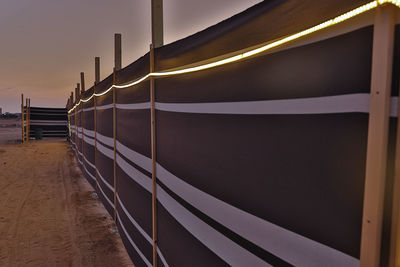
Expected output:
(348, 103)
(99, 186)
(141, 230)
(104, 107)
(89, 133)
(105, 181)
(105, 196)
(133, 106)
(225, 248)
(88, 140)
(88, 109)
(133, 243)
(106, 151)
(294, 248)
(105, 140)
(47, 114)
(89, 163)
(59, 123)
(87, 171)
(316, 105)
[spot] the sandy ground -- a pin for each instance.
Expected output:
(10, 131)
(48, 214)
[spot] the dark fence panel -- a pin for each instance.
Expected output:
(105, 150)
(244, 160)
(134, 200)
(388, 202)
(261, 23)
(51, 122)
(89, 168)
(78, 140)
(259, 162)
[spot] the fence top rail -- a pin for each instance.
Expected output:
(249, 53)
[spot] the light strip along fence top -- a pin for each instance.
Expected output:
(265, 161)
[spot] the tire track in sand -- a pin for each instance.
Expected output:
(67, 200)
(14, 248)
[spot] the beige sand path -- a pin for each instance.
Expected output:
(47, 214)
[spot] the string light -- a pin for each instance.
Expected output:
(394, 2)
(326, 24)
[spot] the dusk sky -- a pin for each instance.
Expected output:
(45, 44)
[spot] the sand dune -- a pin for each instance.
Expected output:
(48, 216)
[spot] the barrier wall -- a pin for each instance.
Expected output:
(259, 162)
(53, 122)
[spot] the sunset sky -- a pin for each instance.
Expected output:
(45, 44)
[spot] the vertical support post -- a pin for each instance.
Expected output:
(115, 144)
(83, 82)
(72, 105)
(69, 119)
(76, 131)
(117, 52)
(78, 88)
(95, 133)
(82, 134)
(157, 40)
(96, 70)
(378, 130)
(22, 118)
(157, 29)
(76, 124)
(67, 107)
(27, 120)
(96, 81)
(117, 67)
(69, 123)
(153, 157)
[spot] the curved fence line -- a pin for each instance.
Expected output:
(306, 249)
(328, 23)
(261, 163)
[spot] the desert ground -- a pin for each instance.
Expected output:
(49, 214)
(10, 131)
